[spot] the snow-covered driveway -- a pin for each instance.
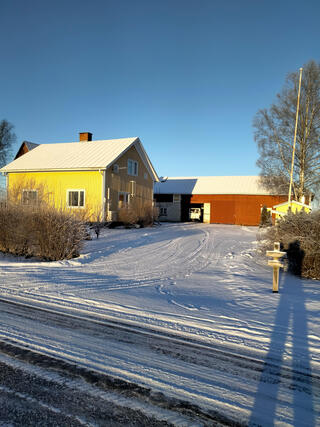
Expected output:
(198, 281)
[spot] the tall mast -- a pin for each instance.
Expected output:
(294, 139)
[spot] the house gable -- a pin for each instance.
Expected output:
(118, 180)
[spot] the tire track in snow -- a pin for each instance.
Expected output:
(182, 368)
(163, 263)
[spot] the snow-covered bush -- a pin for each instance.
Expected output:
(299, 235)
(40, 231)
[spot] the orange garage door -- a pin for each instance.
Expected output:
(223, 212)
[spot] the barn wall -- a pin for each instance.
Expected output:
(236, 209)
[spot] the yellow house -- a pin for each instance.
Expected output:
(282, 209)
(93, 177)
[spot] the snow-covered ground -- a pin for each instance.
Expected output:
(195, 280)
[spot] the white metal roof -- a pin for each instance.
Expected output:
(77, 156)
(211, 185)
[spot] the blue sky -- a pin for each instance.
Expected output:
(187, 77)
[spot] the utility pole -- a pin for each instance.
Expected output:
(294, 139)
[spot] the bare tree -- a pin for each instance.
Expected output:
(7, 138)
(274, 133)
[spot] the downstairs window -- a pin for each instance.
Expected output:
(75, 198)
(29, 197)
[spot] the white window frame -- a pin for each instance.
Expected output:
(133, 167)
(26, 190)
(69, 190)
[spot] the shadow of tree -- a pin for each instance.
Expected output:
(289, 340)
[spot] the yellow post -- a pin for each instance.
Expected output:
(276, 264)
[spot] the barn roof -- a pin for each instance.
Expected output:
(211, 185)
(30, 145)
(88, 155)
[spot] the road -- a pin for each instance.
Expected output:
(60, 369)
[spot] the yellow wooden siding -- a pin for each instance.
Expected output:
(52, 188)
(295, 208)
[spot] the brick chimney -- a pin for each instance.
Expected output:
(85, 136)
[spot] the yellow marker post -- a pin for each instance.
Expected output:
(276, 254)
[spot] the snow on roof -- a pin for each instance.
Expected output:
(211, 185)
(72, 155)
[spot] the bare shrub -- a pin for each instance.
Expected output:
(128, 215)
(148, 215)
(299, 235)
(59, 234)
(40, 231)
(15, 236)
(143, 214)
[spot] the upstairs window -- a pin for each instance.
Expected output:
(132, 167)
(115, 168)
(75, 198)
(29, 197)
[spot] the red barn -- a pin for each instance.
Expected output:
(217, 199)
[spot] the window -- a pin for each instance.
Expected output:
(115, 168)
(124, 199)
(29, 197)
(75, 198)
(176, 198)
(145, 175)
(163, 212)
(132, 167)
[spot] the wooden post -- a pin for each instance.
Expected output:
(275, 281)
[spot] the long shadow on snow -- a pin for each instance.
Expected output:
(291, 321)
